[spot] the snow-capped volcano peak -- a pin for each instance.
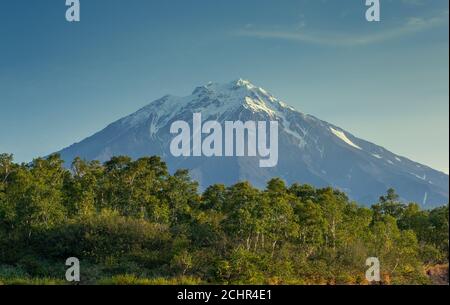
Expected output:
(311, 150)
(213, 100)
(217, 100)
(233, 85)
(236, 88)
(244, 83)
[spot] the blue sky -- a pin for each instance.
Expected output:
(386, 82)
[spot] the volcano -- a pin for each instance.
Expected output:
(311, 150)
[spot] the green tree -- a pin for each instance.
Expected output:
(38, 194)
(279, 217)
(245, 214)
(388, 205)
(82, 188)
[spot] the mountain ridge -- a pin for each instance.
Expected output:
(311, 150)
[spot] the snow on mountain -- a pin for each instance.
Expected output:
(310, 150)
(341, 135)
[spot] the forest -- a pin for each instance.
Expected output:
(133, 222)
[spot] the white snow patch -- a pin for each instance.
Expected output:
(398, 159)
(425, 199)
(154, 128)
(263, 91)
(424, 177)
(257, 106)
(390, 162)
(289, 131)
(341, 135)
(377, 156)
(284, 105)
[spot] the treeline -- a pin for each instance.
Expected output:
(133, 222)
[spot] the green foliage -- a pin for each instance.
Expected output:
(130, 222)
(32, 282)
(130, 279)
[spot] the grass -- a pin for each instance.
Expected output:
(130, 279)
(31, 281)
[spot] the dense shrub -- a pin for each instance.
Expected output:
(132, 223)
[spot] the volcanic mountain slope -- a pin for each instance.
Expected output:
(310, 150)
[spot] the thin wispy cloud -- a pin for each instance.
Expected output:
(410, 26)
(414, 2)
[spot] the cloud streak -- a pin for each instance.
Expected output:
(410, 26)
